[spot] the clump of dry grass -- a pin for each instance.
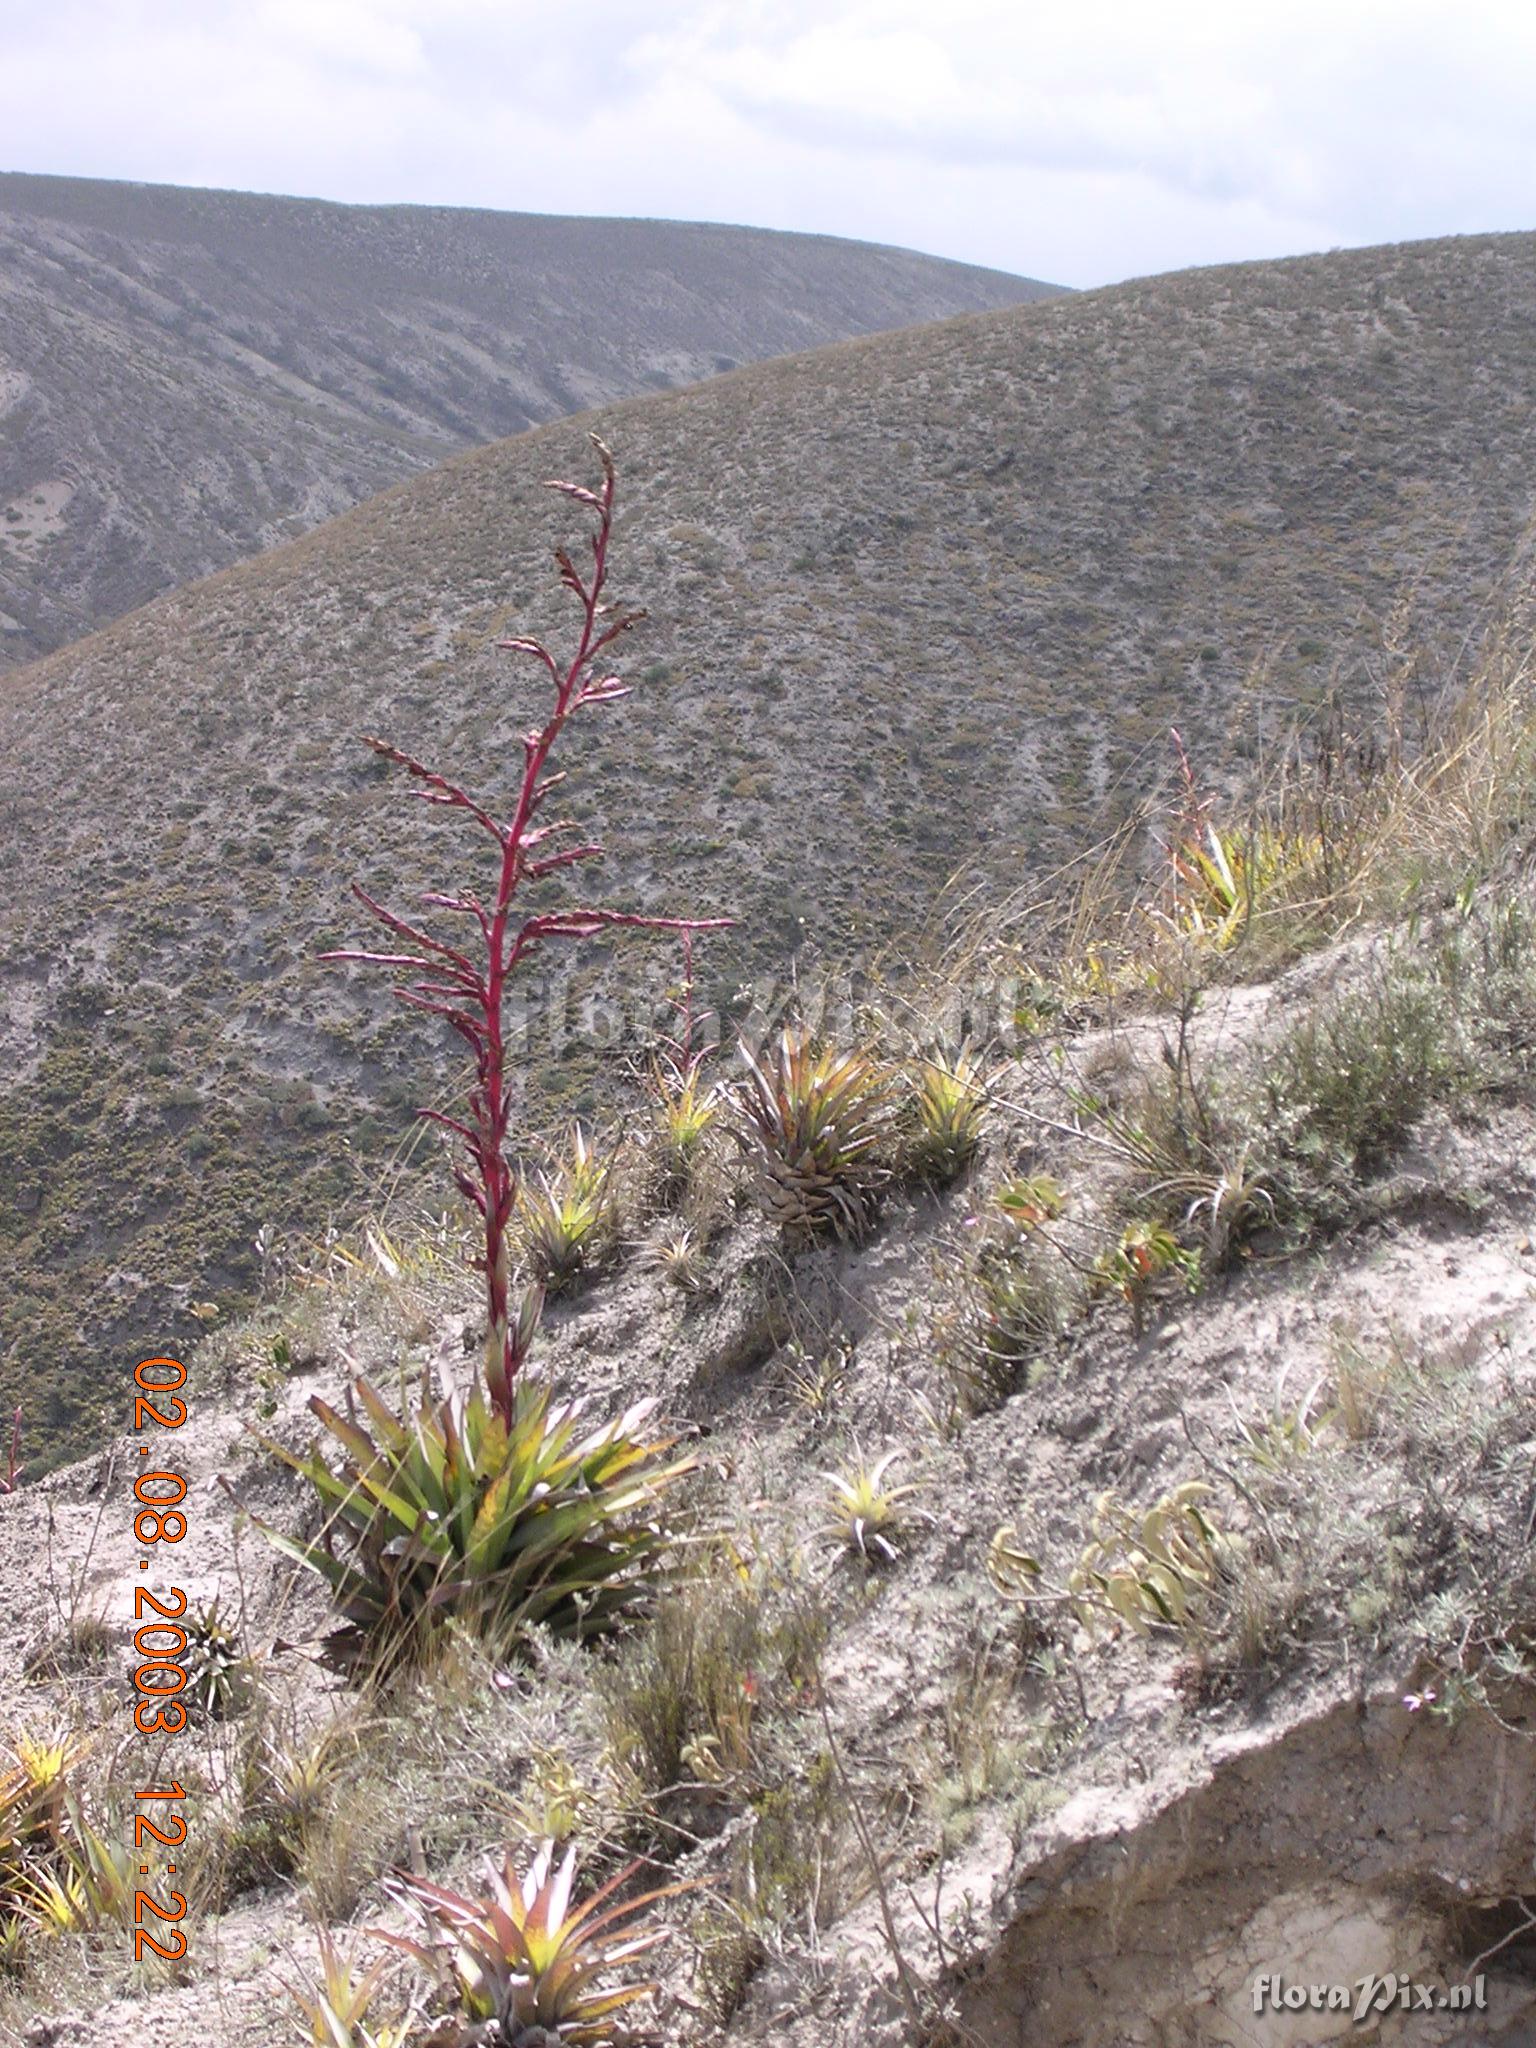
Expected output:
(1351, 825)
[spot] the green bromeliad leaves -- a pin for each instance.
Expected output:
(816, 1120)
(523, 1957)
(543, 1520)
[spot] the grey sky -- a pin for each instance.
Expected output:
(1082, 141)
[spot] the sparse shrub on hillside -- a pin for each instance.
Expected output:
(1158, 1569)
(815, 1121)
(1013, 1296)
(10, 1481)
(1348, 1080)
(1013, 1316)
(1145, 1262)
(681, 1702)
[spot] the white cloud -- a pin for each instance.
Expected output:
(1082, 142)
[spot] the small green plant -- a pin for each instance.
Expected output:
(523, 1958)
(1220, 882)
(816, 1120)
(950, 1107)
(1146, 1571)
(287, 1788)
(1032, 1200)
(685, 1107)
(555, 1802)
(681, 1701)
(1277, 1441)
(678, 1256)
(89, 1885)
(546, 1521)
(1344, 1085)
(1152, 1570)
(335, 2005)
(685, 1110)
(866, 1515)
(37, 1804)
(1233, 1203)
(9, 1480)
(1010, 1321)
(568, 1222)
(817, 1384)
(1138, 1267)
(218, 1670)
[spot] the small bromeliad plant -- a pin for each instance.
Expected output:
(949, 1114)
(501, 1502)
(817, 1121)
(866, 1514)
(525, 1963)
(1220, 882)
(569, 1221)
(38, 1781)
(685, 1107)
(335, 2007)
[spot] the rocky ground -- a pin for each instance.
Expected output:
(1042, 1834)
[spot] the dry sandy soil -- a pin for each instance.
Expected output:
(1084, 1843)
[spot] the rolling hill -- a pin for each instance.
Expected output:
(187, 376)
(919, 600)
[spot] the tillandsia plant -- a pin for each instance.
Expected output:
(469, 990)
(568, 1222)
(37, 1784)
(541, 1521)
(817, 1120)
(1218, 881)
(686, 1106)
(866, 1513)
(526, 1963)
(336, 2005)
(950, 1114)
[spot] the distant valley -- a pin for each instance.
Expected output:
(187, 377)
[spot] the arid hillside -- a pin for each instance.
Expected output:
(187, 377)
(1083, 1607)
(919, 601)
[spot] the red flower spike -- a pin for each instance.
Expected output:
(469, 997)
